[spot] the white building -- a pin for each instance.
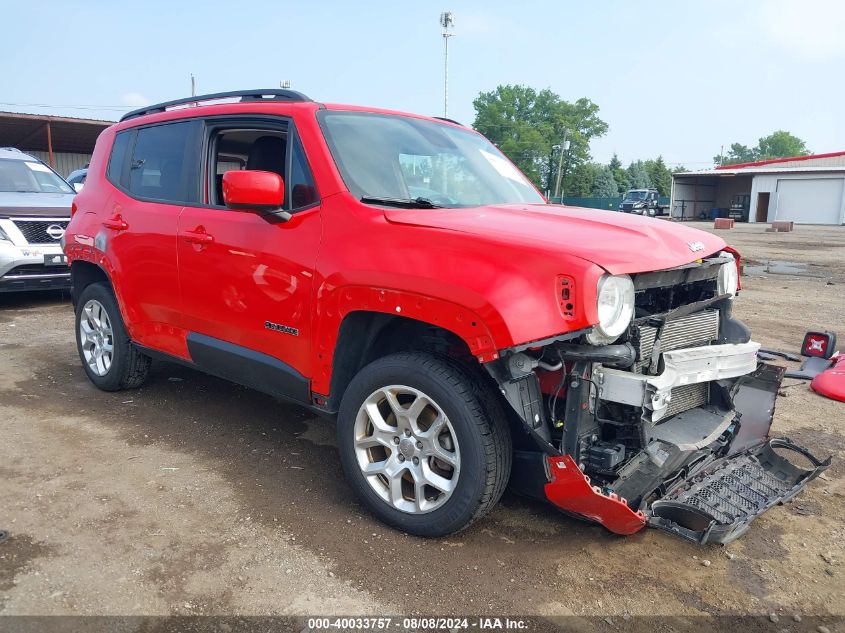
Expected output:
(803, 189)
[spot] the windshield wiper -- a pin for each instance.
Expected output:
(402, 203)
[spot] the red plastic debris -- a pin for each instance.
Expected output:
(831, 382)
(570, 490)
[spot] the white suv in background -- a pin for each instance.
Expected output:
(34, 213)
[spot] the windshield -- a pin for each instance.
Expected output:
(395, 158)
(23, 176)
(636, 195)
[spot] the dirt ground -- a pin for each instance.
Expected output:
(195, 496)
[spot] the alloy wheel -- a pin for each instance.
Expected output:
(96, 337)
(406, 449)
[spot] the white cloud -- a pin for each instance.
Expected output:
(812, 29)
(134, 99)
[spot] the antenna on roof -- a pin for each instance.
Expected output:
(193, 85)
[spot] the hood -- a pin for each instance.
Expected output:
(35, 204)
(618, 242)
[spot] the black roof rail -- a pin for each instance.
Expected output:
(443, 118)
(273, 94)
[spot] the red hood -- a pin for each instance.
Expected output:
(618, 242)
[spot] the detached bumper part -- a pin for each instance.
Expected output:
(718, 504)
(571, 490)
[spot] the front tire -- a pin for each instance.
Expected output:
(108, 356)
(424, 444)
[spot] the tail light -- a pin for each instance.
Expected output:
(72, 209)
(819, 344)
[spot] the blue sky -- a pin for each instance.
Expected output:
(672, 78)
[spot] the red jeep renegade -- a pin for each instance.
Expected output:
(398, 273)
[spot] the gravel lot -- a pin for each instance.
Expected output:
(195, 496)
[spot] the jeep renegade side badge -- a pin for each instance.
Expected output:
(278, 327)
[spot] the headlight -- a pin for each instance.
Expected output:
(615, 306)
(728, 279)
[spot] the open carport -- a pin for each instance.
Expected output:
(804, 190)
(64, 143)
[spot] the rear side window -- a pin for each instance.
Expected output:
(162, 165)
(118, 157)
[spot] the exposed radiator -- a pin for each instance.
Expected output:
(688, 397)
(693, 330)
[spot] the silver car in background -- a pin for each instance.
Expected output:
(35, 205)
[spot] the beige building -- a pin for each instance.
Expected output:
(803, 189)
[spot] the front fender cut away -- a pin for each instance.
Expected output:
(718, 504)
(571, 490)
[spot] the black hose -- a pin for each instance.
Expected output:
(622, 355)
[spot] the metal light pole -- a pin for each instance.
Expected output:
(564, 147)
(447, 21)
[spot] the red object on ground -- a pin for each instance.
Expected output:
(831, 382)
(783, 227)
(821, 344)
(570, 490)
(723, 223)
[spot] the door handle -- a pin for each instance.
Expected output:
(116, 223)
(197, 236)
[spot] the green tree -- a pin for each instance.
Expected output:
(738, 153)
(659, 175)
(779, 144)
(638, 177)
(619, 174)
(581, 180)
(526, 124)
(604, 185)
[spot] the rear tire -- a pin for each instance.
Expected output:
(433, 440)
(110, 359)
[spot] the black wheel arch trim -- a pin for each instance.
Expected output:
(84, 273)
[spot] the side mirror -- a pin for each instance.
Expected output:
(77, 186)
(259, 191)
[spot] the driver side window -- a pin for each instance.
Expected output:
(267, 149)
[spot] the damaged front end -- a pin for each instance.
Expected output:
(667, 426)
